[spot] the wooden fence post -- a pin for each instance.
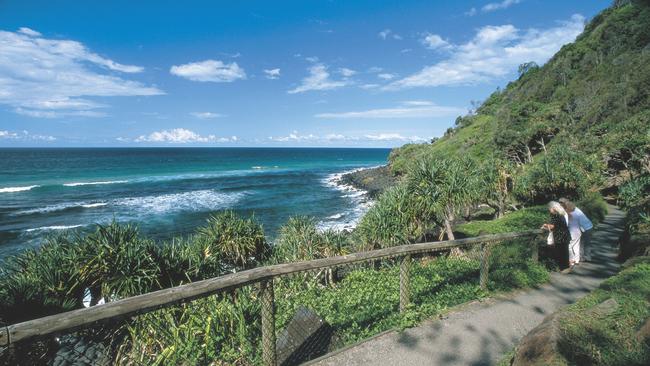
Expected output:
(404, 283)
(535, 249)
(269, 356)
(485, 264)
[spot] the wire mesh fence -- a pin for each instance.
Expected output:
(275, 316)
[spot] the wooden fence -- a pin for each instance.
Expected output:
(121, 309)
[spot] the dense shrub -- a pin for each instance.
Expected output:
(187, 259)
(300, 240)
(634, 192)
(237, 241)
(40, 282)
(561, 172)
(116, 262)
(393, 220)
(521, 220)
(594, 206)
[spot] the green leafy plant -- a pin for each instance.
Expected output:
(237, 241)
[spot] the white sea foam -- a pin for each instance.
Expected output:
(55, 227)
(362, 202)
(60, 207)
(93, 205)
(17, 189)
(203, 200)
(75, 184)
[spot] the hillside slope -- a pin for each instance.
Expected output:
(587, 109)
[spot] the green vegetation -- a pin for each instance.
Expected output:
(592, 336)
(363, 301)
(577, 126)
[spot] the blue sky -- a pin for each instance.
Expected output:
(262, 73)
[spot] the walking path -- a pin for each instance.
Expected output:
(481, 333)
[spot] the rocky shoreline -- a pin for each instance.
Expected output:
(372, 180)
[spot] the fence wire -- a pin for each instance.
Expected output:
(291, 319)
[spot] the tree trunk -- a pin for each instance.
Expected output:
(448, 229)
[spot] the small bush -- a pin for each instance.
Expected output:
(634, 192)
(594, 206)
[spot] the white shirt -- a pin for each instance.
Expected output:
(582, 220)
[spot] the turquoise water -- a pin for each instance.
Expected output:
(170, 191)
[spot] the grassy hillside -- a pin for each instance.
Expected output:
(588, 107)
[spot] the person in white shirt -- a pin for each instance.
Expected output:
(580, 227)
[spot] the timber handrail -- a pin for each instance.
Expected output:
(169, 296)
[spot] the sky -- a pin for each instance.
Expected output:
(366, 73)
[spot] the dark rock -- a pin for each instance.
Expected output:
(540, 346)
(603, 309)
(306, 337)
(375, 181)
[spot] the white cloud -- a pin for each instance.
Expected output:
(318, 79)
(179, 136)
(418, 102)
(50, 78)
(209, 70)
(394, 137)
(387, 33)
(369, 86)
(386, 76)
(434, 42)
(295, 137)
(499, 5)
(380, 137)
(7, 134)
(375, 69)
(29, 32)
(206, 115)
(495, 51)
(272, 73)
(409, 109)
(471, 12)
(25, 136)
(345, 72)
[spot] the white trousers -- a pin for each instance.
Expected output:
(574, 246)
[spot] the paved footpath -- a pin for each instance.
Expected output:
(481, 332)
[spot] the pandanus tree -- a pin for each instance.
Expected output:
(443, 188)
(117, 262)
(237, 242)
(393, 220)
(497, 178)
(300, 240)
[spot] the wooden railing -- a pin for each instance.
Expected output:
(69, 321)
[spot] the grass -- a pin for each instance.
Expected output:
(524, 219)
(610, 339)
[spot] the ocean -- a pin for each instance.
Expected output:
(168, 192)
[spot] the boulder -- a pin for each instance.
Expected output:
(306, 337)
(540, 346)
